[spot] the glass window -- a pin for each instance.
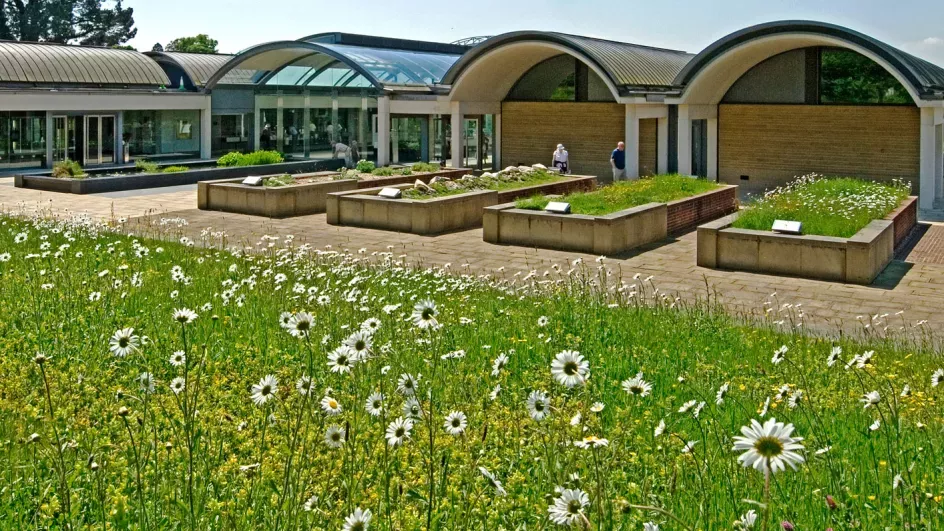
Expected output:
(162, 134)
(230, 133)
(293, 129)
(269, 122)
(848, 77)
(405, 139)
(22, 139)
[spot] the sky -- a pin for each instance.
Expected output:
(914, 26)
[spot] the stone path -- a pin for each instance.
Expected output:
(914, 287)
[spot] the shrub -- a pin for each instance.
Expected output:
(256, 158)
(68, 169)
(426, 167)
(365, 166)
(175, 169)
(347, 173)
(146, 166)
(279, 181)
(385, 171)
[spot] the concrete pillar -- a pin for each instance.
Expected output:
(50, 138)
(362, 127)
(457, 135)
(383, 131)
(713, 148)
(279, 126)
(939, 163)
(305, 130)
(496, 139)
(662, 146)
(335, 120)
(119, 137)
(632, 142)
(394, 141)
(206, 125)
(929, 157)
(256, 125)
(684, 140)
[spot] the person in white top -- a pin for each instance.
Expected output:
(342, 151)
(561, 159)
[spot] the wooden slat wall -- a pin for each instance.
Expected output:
(531, 131)
(648, 146)
(774, 143)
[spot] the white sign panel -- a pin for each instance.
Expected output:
(787, 227)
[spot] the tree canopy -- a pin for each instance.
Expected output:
(67, 21)
(201, 43)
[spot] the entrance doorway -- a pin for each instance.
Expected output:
(64, 138)
(99, 139)
(478, 142)
(700, 148)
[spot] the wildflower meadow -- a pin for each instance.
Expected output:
(179, 384)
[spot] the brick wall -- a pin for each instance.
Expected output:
(691, 212)
(774, 143)
(531, 131)
(648, 146)
(904, 219)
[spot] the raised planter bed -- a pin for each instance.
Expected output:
(608, 234)
(855, 260)
(117, 183)
(363, 208)
(229, 195)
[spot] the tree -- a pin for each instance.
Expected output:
(67, 21)
(157, 47)
(201, 43)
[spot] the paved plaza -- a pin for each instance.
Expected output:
(914, 284)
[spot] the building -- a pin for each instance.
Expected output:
(756, 108)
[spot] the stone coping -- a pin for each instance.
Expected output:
(230, 195)
(855, 260)
(608, 234)
(117, 183)
(363, 208)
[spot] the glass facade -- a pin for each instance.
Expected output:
(22, 139)
(230, 133)
(406, 139)
(162, 134)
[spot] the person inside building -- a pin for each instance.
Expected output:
(266, 137)
(618, 162)
(561, 159)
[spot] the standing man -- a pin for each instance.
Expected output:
(618, 162)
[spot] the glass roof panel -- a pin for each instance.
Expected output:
(398, 66)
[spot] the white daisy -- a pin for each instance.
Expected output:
(424, 315)
(330, 406)
(660, 429)
(335, 436)
(300, 325)
(412, 409)
(875, 425)
(897, 481)
(870, 399)
(265, 390)
(650, 526)
(178, 358)
(374, 404)
(597, 407)
(570, 369)
(455, 423)
(406, 385)
(687, 406)
(834, 356)
(184, 315)
(357, 521)
(768, 447)
(341, 359)
(146, 383)
(689, 446)
(494, 394)
(722, 392)
(568, 508)
(124, 342)
(538, 406)
(795, 399)
(285, 320)
(398, 431)
(499, 364)
(542, 321)
(177, 385)
(636, 386)
(748, 519)
(937, 378)
(360, 344)
(591, 442)
(371, 325)
(303, 385)
(779, 355)
(493, 481)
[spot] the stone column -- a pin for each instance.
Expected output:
(206, 126)
(383, 131)
(631, 138)
(930, 147)
(425, 125)
(684, 140)
(457, 135)
(496, 140)
(662, 147)
(256, 125)
(50, 138)
(713, 146)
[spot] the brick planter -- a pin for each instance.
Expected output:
(363, 208)
(230, 195)
(117, 183)
(604, 235)
(855, 260)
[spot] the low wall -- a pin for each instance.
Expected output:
(117, 183)
(603, 235)
(688, 213)
(363, 208)
(230, 195)
(855, 260)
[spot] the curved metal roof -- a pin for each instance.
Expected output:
(26, 62)
(927, 79)
(627, 65)
(305, 61)
(200, 67)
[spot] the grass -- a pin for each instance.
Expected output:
(86, 445)
(497, 183)
(623, 195)
(837, 207)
